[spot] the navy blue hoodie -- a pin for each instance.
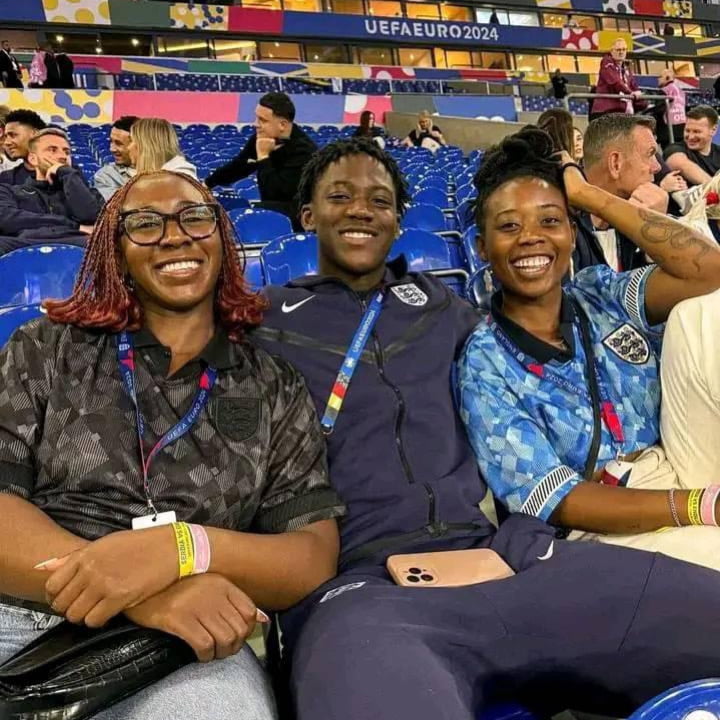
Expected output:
(399, 456)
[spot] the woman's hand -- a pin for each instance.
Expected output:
(112, 574)
(208, 612)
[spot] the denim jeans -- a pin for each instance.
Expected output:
(233, 689)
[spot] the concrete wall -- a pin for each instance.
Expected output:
(465, 133)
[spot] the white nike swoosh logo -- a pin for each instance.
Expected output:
(290, 308)
(549, 552)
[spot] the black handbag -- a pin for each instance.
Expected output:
(72, 672)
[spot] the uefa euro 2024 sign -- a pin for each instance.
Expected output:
(418, 30)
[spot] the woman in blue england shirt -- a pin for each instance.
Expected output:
(560, 388)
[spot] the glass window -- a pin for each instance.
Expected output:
(278, 51)
(348, 7)
(582, 21)
(115, 44)
(456, 12)
(526, 19)
(413, 57)
(422, 11)
(684, 68)
(693, 30)
(458, 58)
(183, 47)
(494, 61)
(529, 63)
(303, 5)
(483, 16)
(385, 8)
(375, 56)
(566, 63)
(326, 53)
(265, 4)
(709, 69)
(588, 64)
(552, 20)
(642, 26)
(244, 50)
(654, 67)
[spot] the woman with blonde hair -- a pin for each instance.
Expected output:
(154, 146)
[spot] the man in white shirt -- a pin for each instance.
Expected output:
(111, 177)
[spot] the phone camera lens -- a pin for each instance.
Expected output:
(427, 578)
(413, 578)
(414, 571)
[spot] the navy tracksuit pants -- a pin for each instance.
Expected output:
(590, 627)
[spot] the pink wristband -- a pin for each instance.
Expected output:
(201, 544)
(707, 505)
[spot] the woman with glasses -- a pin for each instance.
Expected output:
(154, 463)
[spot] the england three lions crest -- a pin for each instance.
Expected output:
(628, 344)
(410, 294)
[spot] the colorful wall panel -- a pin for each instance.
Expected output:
(22, 11)
(490, 108)
(182, 107)
(90, 106)
(678, 8)
(580, 39)
(649, 7)
(199, 17)
(357, 104)
(606, 39)
(140, 14)
(83, 12)
(649, 44)
(250, 20)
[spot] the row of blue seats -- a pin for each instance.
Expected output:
(267, 83)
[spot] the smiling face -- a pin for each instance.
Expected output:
(16, 139)
(527, 237)
(178, 274)
(699, 134)
(120, 146)
(354, 213)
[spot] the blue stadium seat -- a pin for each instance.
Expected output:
(254, 272)
(424, 217)
(289, 257)
(432, 196)
(32, 274)
(258, 227)
(12, 318)
(679, 702)
(233, 202)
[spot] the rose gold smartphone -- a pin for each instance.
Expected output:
(453, 568)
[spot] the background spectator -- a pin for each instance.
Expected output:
(716, 87)
(6, 163)
(368, 129)
(426, 134)
(616, 77)
(620, 158)
(558, 124)
(559, 84)
(668, 30)
(10, 71)
(277, 151)
(494, 20)
(57, 205)
(52, 71)
(154, 146)
(674, 114)
(66, 68)
(578, 142)
(113, 176)
(697, 157)
(20, 127)
(38, 71)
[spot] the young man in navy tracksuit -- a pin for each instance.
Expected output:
(581, 626)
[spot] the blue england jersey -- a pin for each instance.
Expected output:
(531, 435)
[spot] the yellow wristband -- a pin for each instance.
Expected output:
(693, 507)
(186, 551)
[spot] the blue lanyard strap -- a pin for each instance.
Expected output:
(545, 372)
(347, 369)
(126, 364)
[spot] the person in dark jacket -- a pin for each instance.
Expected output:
(362, 647)
(66, 67)
(57, 205)
(52, 79)
(10, 71)
(277, 152)
(20, 127)
(559, 84)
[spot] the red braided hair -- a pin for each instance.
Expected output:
(102, 299)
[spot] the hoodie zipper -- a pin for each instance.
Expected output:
(434, 527)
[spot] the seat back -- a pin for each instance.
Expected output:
(12, 318)
(32, 274)
(424, 217)
(289, 257)
(423, 251)
(682, 702)
(256, 227)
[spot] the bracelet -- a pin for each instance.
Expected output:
(201, 546)
(693, 506)
(707, 505)
(186, 552)
(673, 508)
(576, 166)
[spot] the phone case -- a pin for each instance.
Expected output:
(452, 568)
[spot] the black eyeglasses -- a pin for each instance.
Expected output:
(148, 227)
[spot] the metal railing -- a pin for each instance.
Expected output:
(628, 98)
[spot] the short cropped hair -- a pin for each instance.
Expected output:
(26, 117)
(611, 128)
(125, 122)
(280, 104)
(704, 111)
(44, 133)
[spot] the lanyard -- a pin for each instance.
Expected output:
(126, 363)
(347, 369)
(606, 410)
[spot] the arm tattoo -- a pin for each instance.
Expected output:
(664, 233)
